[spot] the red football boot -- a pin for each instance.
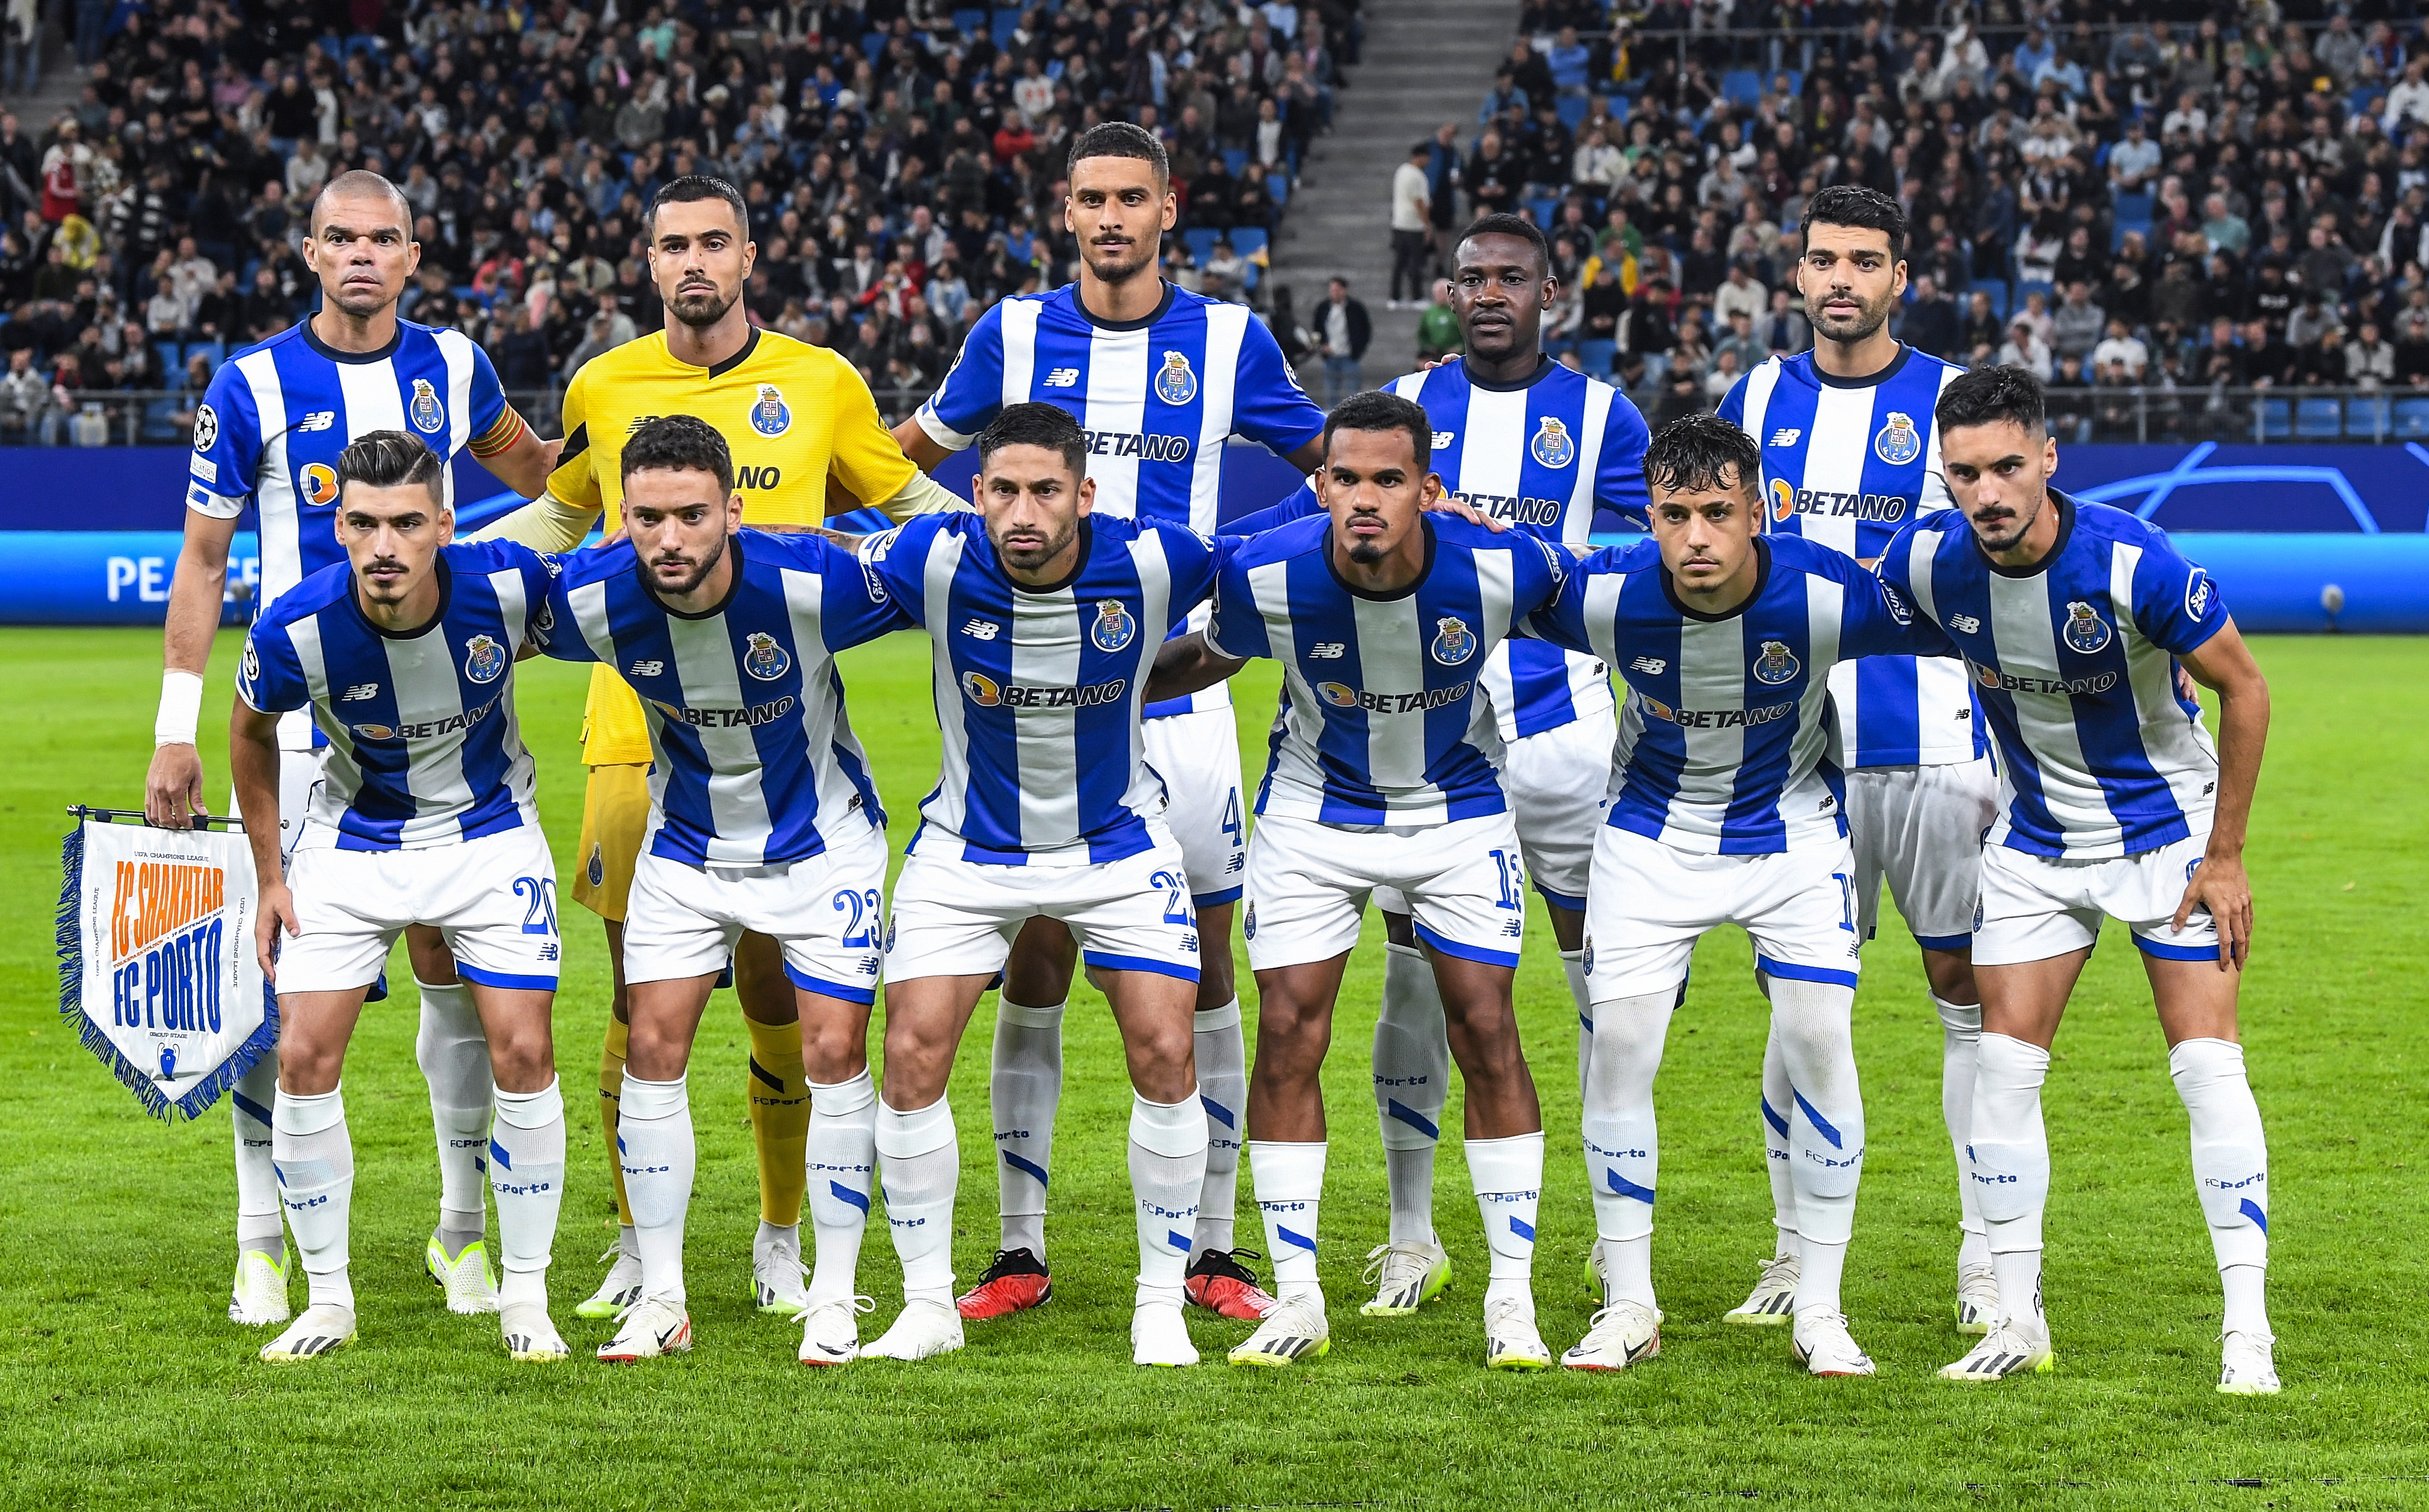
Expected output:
(1015, 1283)
(1219, 1283)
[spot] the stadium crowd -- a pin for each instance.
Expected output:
(903, 165)
(2172, 200)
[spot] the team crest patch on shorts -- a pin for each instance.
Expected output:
(1454, 642)
(1552, 446)
(1898, 443)
(1588, 958)
(770, 415)
(765, 659)
(1175, 383)
(1777, 665)
(1248, 923)
(597, 871)
(2086, 632)
(1114, 626)
(429, 415)
(484, 659)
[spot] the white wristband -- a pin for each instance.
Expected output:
(181, 708)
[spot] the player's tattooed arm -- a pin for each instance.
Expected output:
(1186, 664)
(2224, 664)
(843, 538)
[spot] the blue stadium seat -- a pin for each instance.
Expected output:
(1201, 243)
(1248, 240)
(2412, 419)
(1278, 184)
(2366, 419)
(1003, 25)
(1572, 108)
(1743, 85)
(1236, 160)
(160, 423)
(1054, 69)
(172, 360)
(2026, 287)
(1598, 357)
(873, 44)
(2140, 207)
(1797, 82)
(1545, 212)
(1997, 289)
(2276, 420)
(971, 22)
(2125, 227)
(2319, 419)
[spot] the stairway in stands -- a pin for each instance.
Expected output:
(1424, 62)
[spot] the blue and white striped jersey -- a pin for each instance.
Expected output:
(424, 748)
(1158, 399)
(755, 763)
(1731, 759)
(1037, 690)
(1542, 454)
(1382, 725)
(2075, 661)
(1846, 463)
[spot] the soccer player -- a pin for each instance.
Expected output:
(1540, 447)
(1726, 811)
(2114, 802)
(1850, 453)
(1158, 379)
(404, 654)
(268, 432)
(794, 417)
(1383, 775)
(762, 818)
(1044, 620)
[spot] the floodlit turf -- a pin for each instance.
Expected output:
(122, 1381)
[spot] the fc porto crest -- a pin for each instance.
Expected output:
(763, 658)
(1897, 443)
(2085, 632)
(770, 415)
(429, 415)
(1454, 642)
(1552, 446)
(1114, 626)
(1174, 381)
(1777, 665)
(484, 659)
(598, 869)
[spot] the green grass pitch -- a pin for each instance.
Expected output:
(122, 1382)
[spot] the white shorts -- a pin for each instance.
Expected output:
(494, 898)
(2037, 907)
(1651, 902)
(1921, 828)
(957, 918)
(1198, 755)
(826, 913)
(1559, 785)
(1308, 884)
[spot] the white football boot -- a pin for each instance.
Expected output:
(1296, 1330)
(2247, 1365)
(619, 1290)
(1406, 1277)
(1621, 1335)
(2007, 1349)
(324, 1329)
(467, 1279)
(1774, 1297)
(1822, 1344)
(1977, 1299)
(1511, 1341)
(258, 1297)
(831, 1329)
(1160, 1336)
(776, 1284)
(649, 1328)
(921, 1331)
(530, 1337)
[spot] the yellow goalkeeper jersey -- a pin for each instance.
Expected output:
(793, 414)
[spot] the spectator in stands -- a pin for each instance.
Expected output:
(2369, 358)
(2024, 347)
(2075, 327)
(2121, 348)
(24, 394)
(1784, 329)
(1344, 329)
(1740, 292)
(2132, 161)
(1740, 349)
(1412, 212)
(1930, 321)
(2269, 360)
(1494, 177)
(1438, 332)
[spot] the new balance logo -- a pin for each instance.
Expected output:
(359, 692)
(982, 629)
(320, 419)
(1964, 624)
(648, 669)
(1063, 378)
(1327, 651)
(1649, 666)
(1444, 439)
(1785, 436)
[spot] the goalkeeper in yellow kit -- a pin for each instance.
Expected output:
(796, 419)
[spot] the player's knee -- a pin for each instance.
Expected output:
(521, 1057)
(834, 1046)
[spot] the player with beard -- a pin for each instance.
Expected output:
(794, 417)
(1850, 453)
(1158, 379)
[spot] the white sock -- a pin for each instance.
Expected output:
(1168, 1159)
(2230, 1171)
(1289, 1181)
(257, 1178)
(1412, 1083)
(1779, 1100)
(1960, 1048)
(841, 1157)
(1573, 965)
(2007, 1159)
(316, 1185)
(454, 1053)
(1622, 1150)
(1814, 1023)
(1023, 1087)
(527, 1178)
(921, 1163)
(654, 1140)
(1223, 1094)
(1507, 1174)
